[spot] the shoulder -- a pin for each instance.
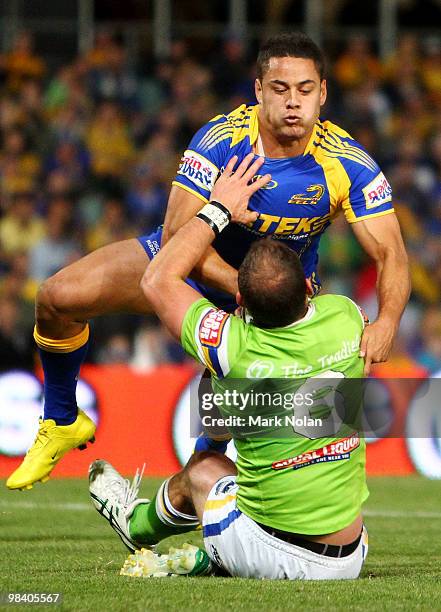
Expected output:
(341, 304)
(212, 335)
(334, 143)
(231, 128)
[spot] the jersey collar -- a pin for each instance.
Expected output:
(314, 135)
(245, 315)
(308, 315)
(254, 124)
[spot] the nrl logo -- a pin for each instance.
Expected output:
(271, 185)
(301, 198)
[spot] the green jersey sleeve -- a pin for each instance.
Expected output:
(205, 336)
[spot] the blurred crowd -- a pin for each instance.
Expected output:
(88, 152)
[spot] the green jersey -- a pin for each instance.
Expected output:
(299, 483)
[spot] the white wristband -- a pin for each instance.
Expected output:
(215, 215)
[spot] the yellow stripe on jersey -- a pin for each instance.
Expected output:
(207, 360)
(190, 190)
(67, 345)
(334, 128)
(340, 153)
(337, 180)
(241, 123)
(332, 141)
(328, 138)
(215, 135)
(347, 152)
(250, 129)
(351, 218)
(213, 131)
(239, 113)
(219, 503)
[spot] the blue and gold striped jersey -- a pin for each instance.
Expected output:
(306, 192)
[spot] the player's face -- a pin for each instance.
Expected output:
(290, 96)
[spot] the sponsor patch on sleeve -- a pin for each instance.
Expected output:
(211, 328)
(197, 169)
(378, 192)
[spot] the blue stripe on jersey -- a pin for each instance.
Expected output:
(215, 529)
(215, 361)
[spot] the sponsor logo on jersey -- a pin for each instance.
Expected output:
(153, 247)
(378, 192)
(305, 200)
(290, 226)
(337, 451)
(211, 328)
(271, 185)
(198, 170)
(222, 487)
(260, 369)
(215, 555)
(347, 349)
(291, 370)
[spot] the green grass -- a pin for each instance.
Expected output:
(50, 540)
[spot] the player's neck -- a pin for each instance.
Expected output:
(269, 146)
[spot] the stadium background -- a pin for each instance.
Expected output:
(98, 101)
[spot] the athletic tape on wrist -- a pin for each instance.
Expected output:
(215, 215)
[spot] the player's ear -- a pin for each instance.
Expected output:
(323, 92)
(258, 90)
(239, 299)
(309, 289)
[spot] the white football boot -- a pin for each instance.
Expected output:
(115, 498)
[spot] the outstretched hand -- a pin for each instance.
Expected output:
(376, 343)
(234, 190)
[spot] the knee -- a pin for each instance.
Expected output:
(52, 299)
(206, 467)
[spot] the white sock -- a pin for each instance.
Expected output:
(167, 513)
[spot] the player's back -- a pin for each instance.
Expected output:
(297, 474)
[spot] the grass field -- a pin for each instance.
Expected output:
(52, 540)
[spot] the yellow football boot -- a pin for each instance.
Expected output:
(52, 442)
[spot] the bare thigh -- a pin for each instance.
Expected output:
(103, 282)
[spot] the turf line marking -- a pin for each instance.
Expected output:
(83, 507)
(80, 507)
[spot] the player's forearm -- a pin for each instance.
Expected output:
(212, 270)
(393, 285)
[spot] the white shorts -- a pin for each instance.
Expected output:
(236, 543)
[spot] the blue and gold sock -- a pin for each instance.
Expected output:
(61, 361)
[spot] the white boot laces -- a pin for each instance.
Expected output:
(125, 491)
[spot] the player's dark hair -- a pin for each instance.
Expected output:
(272, 284)
(290, 44)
